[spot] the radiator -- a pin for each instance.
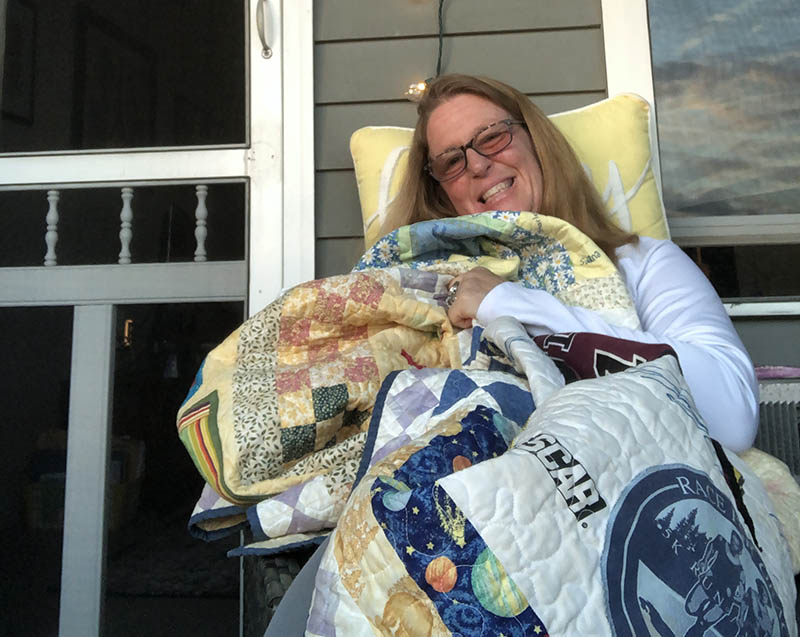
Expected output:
(779, 432)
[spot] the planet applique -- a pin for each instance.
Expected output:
(397, 496)
(461, 462)
(441, 574)
(495, 590)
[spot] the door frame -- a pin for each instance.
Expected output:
(277, 162)
(277, 166)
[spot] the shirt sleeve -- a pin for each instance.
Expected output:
(676, 305)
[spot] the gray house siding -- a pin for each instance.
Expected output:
(367, 52)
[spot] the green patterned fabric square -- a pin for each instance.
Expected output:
(298, 441)
(355, 418)
(329, 401)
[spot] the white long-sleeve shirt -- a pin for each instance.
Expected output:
(676, 305)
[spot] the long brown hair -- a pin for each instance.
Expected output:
(567, 191)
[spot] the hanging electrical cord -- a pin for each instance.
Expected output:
(441, 39)
(415, 91)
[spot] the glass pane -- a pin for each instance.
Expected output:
(725, 78)
(121, 74)
(163, 224)
(159, 579)
(35, 368)
(777, 349)
(749, 271)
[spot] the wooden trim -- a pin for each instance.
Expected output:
(735, 230)
(626, 41)
(53, 170)
(122, 284)
(298, 145)
(85, 535)
(764, 309)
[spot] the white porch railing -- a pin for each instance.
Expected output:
(126, 225)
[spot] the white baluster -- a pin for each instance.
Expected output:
(200, 215)
(51, 236)
(126, 231)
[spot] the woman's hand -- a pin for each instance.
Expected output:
(473, 286)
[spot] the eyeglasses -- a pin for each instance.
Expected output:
(487, 142)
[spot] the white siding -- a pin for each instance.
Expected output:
(366, 52)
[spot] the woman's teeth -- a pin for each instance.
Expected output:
(503, 185)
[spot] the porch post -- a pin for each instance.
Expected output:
(90, 398)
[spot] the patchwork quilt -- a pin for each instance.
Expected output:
(597, 508)
(480, 481)
(277, 418)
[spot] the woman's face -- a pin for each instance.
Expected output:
(509, 180)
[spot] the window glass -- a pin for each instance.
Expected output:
(81, 74)
(35, 369)
(157, 574)
(727, 95)
(749, 271)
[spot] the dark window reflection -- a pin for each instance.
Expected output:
(749, 271)
(157, 575)
(120, 74)
(35, 370)
(153, 484)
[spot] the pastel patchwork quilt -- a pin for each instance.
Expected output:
(577, 494)
(481, 482)
(278, 417)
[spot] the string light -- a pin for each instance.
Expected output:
(416, 90)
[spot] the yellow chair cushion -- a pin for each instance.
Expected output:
(610, 137)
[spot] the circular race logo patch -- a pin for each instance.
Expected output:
(679, 562)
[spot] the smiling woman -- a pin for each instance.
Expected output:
(537, 171)
(481, 145)
(507, 176)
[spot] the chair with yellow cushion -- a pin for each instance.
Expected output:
(612, 139)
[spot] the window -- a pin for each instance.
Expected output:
(722, 77)
(726, 93)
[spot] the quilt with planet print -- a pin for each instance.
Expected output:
(596, 504)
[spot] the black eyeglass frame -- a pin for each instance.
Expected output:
(471, 144)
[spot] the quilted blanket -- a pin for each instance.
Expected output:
(277, 419)
(564, 485)
(508, 503)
